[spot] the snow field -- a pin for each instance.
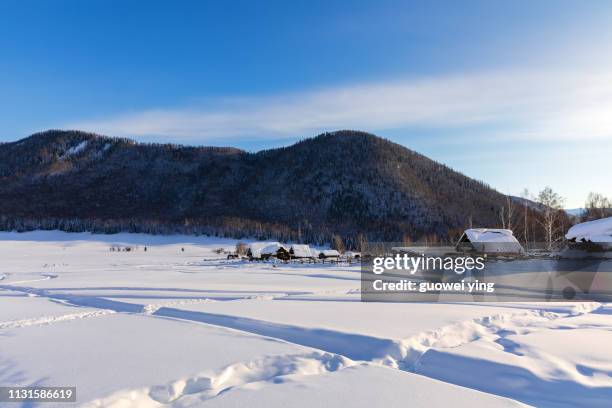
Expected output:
(179, 326)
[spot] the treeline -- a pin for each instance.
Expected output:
(221, 227)
(539, 221)
(596, 206)
(225, 227)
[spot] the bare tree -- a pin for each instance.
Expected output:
(597, 206)
(526, 196)
(241, 248)
(362, 242)
(337, 243)
(550, 213)
(509, 211)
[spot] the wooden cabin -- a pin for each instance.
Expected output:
(329, 254)
(300, 252)
(266, 250)
(489, 240)
(591, 235)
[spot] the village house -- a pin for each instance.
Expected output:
(352, 255)
(489, 240)
(593, 235)
(300, 252)
(329, 254)
(267, 250)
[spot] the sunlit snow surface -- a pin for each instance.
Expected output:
(180, 326)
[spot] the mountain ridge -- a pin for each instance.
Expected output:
(347, 183)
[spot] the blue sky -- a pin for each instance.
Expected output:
(516, 93)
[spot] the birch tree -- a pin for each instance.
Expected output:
(550, 213)
(510, 211)
(526, 196)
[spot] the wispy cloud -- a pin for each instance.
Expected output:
(528, 105)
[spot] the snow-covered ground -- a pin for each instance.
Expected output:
(178, 325)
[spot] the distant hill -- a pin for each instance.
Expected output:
(575, 212)
(345, 183)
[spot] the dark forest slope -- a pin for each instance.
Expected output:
(344, 182)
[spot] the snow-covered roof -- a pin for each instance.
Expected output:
(493, 240)
(264, 248)
(352, 254)
(593, 231)
(272, 248)
(301, 251)
(490, 235)
(329, 252)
